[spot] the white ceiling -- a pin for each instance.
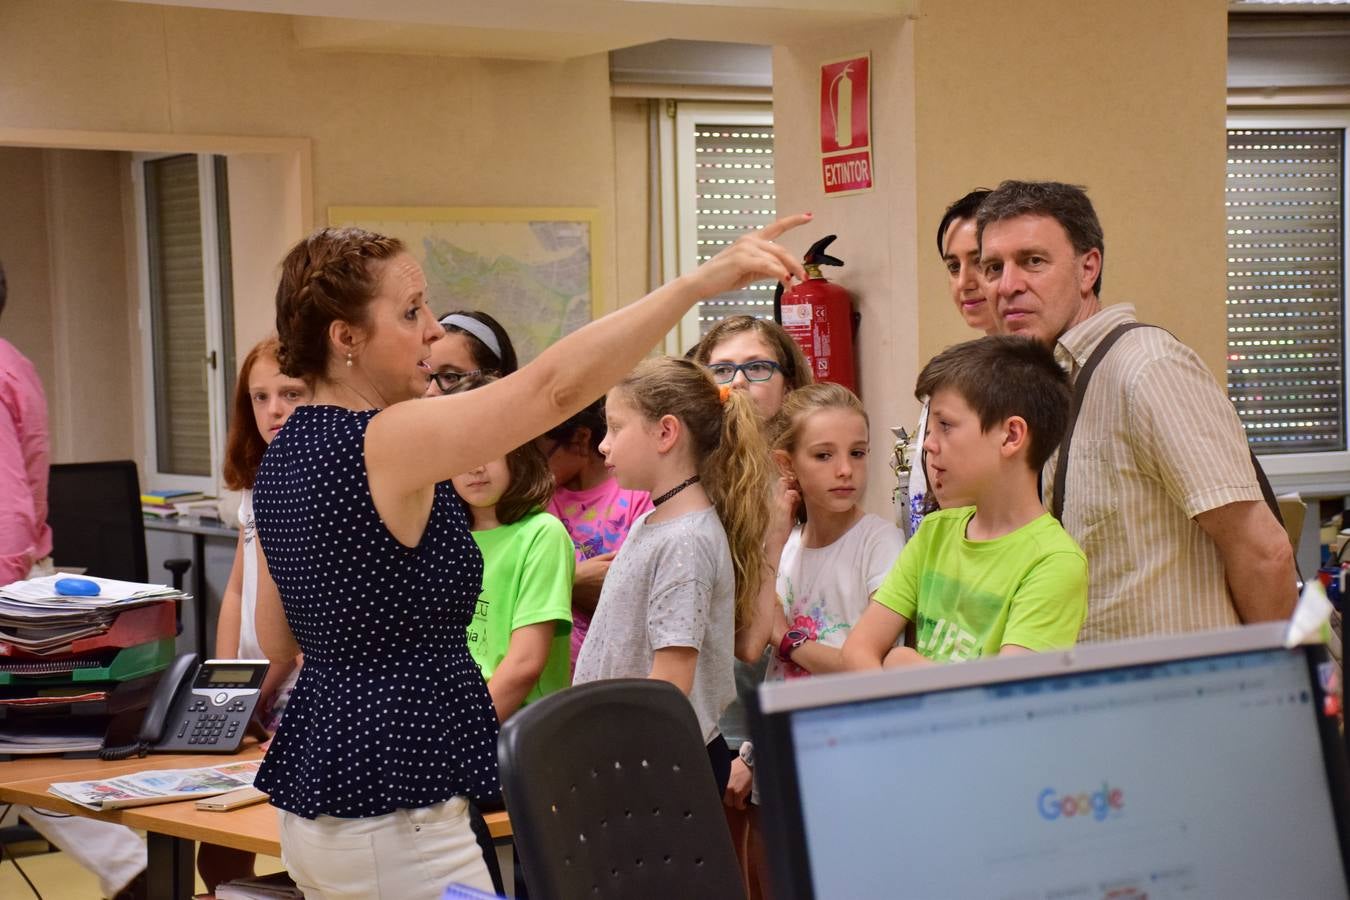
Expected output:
(551, 29)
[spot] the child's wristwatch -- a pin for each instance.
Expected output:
(792, 639)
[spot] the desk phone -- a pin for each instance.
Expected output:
(199, 708)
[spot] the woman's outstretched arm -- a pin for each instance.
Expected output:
(412, 446)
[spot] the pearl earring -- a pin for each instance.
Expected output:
(349, 359)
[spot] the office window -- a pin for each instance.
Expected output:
(186, 319)
(1285, 201)
(734, 193)
(722, 187)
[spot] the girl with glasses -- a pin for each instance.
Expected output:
(474, 344)
(757, 356)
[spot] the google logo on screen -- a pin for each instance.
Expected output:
(1099, 804)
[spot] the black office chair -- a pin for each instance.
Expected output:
(94, 510)
(611, 795)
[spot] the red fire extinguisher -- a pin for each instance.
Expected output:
(820, 317)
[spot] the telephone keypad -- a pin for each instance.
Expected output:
(210, 728)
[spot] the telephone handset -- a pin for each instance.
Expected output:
(198, 708)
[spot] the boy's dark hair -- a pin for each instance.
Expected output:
(592, 417)
(1006, 375)
(531, 486)
(1067, 204)
(965, 208)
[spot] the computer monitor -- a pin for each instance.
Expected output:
(1202, 766)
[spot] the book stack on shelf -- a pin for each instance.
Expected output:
(170, 503)
(79, 670)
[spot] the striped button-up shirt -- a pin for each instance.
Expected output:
(1157, 443)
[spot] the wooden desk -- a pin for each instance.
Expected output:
(53, 767)
(172, 828)
(170, 873)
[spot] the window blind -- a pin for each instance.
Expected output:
(178, 315)
(1285, 200)
(733, 167)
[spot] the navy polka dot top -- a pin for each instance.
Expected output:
(390, 711)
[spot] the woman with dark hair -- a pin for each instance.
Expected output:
(474, 344)
(391, 727)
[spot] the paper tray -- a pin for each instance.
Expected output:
(118, 713)
(123, 665)
(130, 628)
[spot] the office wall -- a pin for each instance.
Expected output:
(385, 129)
(24, 251)
(61, 243)
(92, 315)
(876, 229)
(632, 198)
(1125, 98)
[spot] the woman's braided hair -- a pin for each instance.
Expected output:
(327, 277)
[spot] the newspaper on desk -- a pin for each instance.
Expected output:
(160, 786)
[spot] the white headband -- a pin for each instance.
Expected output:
(477, 329)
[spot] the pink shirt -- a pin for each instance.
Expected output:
(598, 520)
(24, 451)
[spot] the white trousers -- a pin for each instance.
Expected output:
(114, 853)
(408, 854)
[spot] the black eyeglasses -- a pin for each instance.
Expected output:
(755, 370)
(445, 381)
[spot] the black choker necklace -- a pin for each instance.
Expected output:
(692, 479)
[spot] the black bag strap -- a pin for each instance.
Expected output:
(1080, 387)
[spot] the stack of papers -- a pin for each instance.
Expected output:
(144, 788)
(74, 737)
(263, 887)
(36, 619)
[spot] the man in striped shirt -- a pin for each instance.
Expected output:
(1160, 493)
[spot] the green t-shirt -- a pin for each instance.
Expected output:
(969, 598)
(527, 579)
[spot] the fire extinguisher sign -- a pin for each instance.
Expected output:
(846, 125)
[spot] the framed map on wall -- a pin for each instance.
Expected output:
(533, 269)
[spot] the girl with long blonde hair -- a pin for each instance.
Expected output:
(691, 570)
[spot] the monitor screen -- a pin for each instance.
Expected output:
(1186, 779)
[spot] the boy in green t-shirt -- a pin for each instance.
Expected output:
(992, 572)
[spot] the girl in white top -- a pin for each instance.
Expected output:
(838, 556)
(830, 565)
(263, 400)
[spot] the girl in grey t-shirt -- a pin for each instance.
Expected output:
(691, 568)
